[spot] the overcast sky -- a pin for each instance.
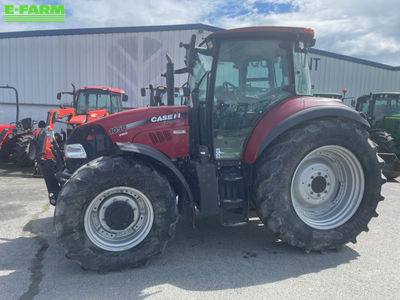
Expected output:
(368, 29)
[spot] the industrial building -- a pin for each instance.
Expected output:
(41, 63)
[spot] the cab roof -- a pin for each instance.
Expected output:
(380, 93)
(262, 31)
(103, 88)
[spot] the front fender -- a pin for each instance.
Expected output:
(160, 159)
(286, 116)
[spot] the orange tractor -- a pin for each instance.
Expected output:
(89, 103)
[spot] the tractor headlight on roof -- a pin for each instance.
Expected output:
(75, 151)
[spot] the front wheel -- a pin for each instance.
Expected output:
(318, 186)
(25, 150)
(115, 212)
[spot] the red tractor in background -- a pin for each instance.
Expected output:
(158, 95)
(89, 103)
(17, 140)
(251, 134)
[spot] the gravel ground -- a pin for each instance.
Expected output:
(210, 261)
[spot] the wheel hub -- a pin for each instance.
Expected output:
(119, 215)
(318, 184)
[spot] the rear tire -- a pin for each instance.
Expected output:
(114, 213)
(290, 199)
(25, 150)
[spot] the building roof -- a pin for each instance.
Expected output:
(75, 31)
(353, 59)
(199, 26)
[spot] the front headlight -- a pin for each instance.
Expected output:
(75, 151)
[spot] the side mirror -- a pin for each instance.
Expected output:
(59, 96)
(184, 90)
(143, 92)
(124, 97)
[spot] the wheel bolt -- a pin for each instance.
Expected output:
(325, 192)
(309, 184)
(319, 195)
(326, 176)
(312, 177)
(319, 173)
(311, 193)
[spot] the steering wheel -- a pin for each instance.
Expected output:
(232, 89)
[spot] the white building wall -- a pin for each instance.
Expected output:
(41, 66)
(331, 75)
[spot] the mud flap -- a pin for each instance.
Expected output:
(391, 169)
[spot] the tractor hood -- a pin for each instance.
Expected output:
(165, 128)
(89, 116)
(3, 126)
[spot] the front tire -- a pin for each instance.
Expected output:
(25, 150)
(318, 186)
(114, 213)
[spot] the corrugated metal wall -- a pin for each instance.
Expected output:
(330, 74)
(41, 66)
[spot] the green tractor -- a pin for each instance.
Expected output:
(383, 113)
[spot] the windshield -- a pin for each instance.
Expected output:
(301, 72)
(386, 105)
(252, 75)
(95, 100)
(177, 97)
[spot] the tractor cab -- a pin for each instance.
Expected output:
(91, 98)
(382, 109)
(236, 76)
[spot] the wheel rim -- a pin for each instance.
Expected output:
(118, 219)
(327, 187)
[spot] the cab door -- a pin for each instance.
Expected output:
(250, 78)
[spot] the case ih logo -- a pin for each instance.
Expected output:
(165, 118)
(34, 13)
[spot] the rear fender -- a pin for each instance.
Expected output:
(258, 142)
(160, 160)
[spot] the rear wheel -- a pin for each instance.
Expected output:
(25, 150)
(114, 213)
(318, 186)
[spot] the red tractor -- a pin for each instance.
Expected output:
(251, 135)
(159, 96)
(17, 140)
(89, 103)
